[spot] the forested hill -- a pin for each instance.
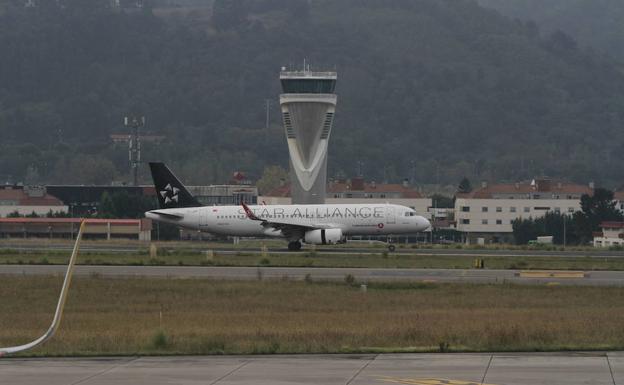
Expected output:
(429, 89)
(595, 23)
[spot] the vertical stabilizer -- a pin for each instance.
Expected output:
(171, 192)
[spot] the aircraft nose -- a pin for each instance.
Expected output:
(423, 224)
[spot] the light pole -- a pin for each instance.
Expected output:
(135, 144)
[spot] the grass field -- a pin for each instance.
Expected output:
(313, 259)
(165, 316)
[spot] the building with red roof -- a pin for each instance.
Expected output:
(25, 200)
(487, 213)
(612, 234)
(618, 196)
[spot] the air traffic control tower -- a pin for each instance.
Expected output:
(308, 105)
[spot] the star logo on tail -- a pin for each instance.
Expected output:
(170, 194)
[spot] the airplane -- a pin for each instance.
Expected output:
(319, 224)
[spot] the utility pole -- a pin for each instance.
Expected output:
(134, 148)
(565, 217)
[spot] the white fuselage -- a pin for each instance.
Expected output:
(352, 219)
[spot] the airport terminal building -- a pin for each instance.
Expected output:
(486, 214)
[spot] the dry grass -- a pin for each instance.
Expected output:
(122, 316)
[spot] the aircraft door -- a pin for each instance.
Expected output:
(390, 215)
(203, 219)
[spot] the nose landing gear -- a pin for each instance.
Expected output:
(294, 246)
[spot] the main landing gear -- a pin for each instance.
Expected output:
(390, 242)
(294, 246)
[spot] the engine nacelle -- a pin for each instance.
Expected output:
(323, 236)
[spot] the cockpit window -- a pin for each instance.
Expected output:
(409, 213)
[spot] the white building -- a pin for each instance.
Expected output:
(488, 212)
(612, 234)
(618, 196)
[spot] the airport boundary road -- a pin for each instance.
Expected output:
(363, 275)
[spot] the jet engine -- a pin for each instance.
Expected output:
(323, 236)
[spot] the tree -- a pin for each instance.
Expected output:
(272, 177)
(524, 230)
(551, 224)
(595, 209)
(464, 186)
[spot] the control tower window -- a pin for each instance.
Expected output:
(308, 86)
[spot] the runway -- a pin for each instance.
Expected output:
(362, 275)
(224, 249)
(414, 369)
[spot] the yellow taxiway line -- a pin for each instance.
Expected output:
(551, 274)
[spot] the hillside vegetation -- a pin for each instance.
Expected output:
(594, 23)
(429, 89)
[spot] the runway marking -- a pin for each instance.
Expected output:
(427, 381)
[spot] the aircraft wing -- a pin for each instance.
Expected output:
(285, 227)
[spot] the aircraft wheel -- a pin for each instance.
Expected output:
(294, 246)
(391, 247)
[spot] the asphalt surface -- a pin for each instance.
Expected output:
(134, 248)
(363, 275)
(415, 369)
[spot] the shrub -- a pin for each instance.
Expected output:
(159, 340)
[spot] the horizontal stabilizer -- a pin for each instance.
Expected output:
(166, 214)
